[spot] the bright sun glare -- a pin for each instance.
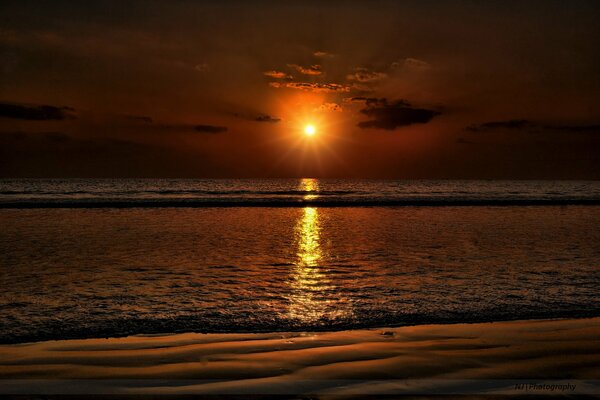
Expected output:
(309, 130)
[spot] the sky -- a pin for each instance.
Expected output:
(224, 89)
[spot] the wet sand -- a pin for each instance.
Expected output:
(563, 355)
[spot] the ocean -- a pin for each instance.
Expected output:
(119, 193)
(103, 258)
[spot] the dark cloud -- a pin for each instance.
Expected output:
(150, 125)
(595, 128)
(370, 101)
(532, 126)
(312, 87)
(210, 128)
(364, 75)
(392, 115)
(362, 88)
(256, 116)
(267, 118)
(35, 112)
(312, 70)
(355, 99)
(508, 124)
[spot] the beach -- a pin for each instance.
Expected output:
(323, 301)
(519, 357)
(299, 199)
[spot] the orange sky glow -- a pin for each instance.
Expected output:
(204, 89)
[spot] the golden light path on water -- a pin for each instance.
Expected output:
(310, 187)
(311, 287)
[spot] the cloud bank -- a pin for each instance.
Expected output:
(391, 115)
(35, 112)
(313, 87)
(531, 126)
(210, 128)
(312, 70)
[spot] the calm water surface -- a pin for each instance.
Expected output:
(112, 272)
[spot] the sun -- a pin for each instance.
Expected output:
(309, 130)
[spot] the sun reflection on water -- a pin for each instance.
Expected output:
(309, 247)
(308, 281)
(313, 294)
(310, 187)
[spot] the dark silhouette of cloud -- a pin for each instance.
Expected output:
(391, 115)
(594, 128)
(362, 88)
(256, 116)
(508, 124)
(267, 118)
(149, 124)
(370, 101)
(531, 126)
(312, 70)
(35, 112)
(364, 75)
(312, 87)
(210, 128)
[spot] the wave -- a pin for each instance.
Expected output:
(126, 193)
(120, 327)
(181, 192)
(277, 202)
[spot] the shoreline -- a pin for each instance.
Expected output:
(70, 336)
(474, 358)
